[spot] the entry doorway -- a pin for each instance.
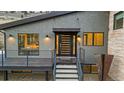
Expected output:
(66, 43)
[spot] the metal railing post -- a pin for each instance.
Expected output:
(80, 72)
(27, 60)
(52, 55)
(2, 58)
(80, 53)
(54, 65)
(27, 57)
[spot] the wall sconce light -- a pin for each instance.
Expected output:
(11, 39)
(11, 36)
(47, 40)
(78, 36)
(47, 37)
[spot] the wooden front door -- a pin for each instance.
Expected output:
(66, 44)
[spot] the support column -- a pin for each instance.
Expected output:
(5, 75)
(46, 76)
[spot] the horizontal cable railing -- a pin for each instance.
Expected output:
(26, 58)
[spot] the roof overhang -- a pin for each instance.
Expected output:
(34, 19)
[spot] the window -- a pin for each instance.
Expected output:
(93, 39)
(28, 44)
(98, 39)
(118, 20)
(88, 39)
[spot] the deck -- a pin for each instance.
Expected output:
(41, 64)
(33, 64)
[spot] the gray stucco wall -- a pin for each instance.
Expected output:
(87, 22)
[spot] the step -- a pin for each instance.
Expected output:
(63, 57)
(66, 66)
(66, 71)
(66, 76)
(67, 80)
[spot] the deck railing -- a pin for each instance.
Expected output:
(80, 59)
(54, 64)
(25, 59)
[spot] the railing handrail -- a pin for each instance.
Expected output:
(38, 50)
(26, 55)
(80, 71)
(29, 52)
(54, 64)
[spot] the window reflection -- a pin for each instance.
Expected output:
(93, 39)
(28, 43)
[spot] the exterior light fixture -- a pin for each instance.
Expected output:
(47, 37)
(78, 36)
(11, 39)
(11, 36)
(47, 40)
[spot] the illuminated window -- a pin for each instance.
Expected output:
(93, 39)
(88, 39)
(118, 20)
(28, 44)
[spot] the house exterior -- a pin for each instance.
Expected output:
(64, 31)
(116, 44)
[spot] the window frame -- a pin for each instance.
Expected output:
(29, 54)
(92, 39)
(114, 20)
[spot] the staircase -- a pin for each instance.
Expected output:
(66, 72)
(67, 68)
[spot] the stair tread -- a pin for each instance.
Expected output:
(67, 80)
(67, 75)
(66, 71)
(66, 66)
